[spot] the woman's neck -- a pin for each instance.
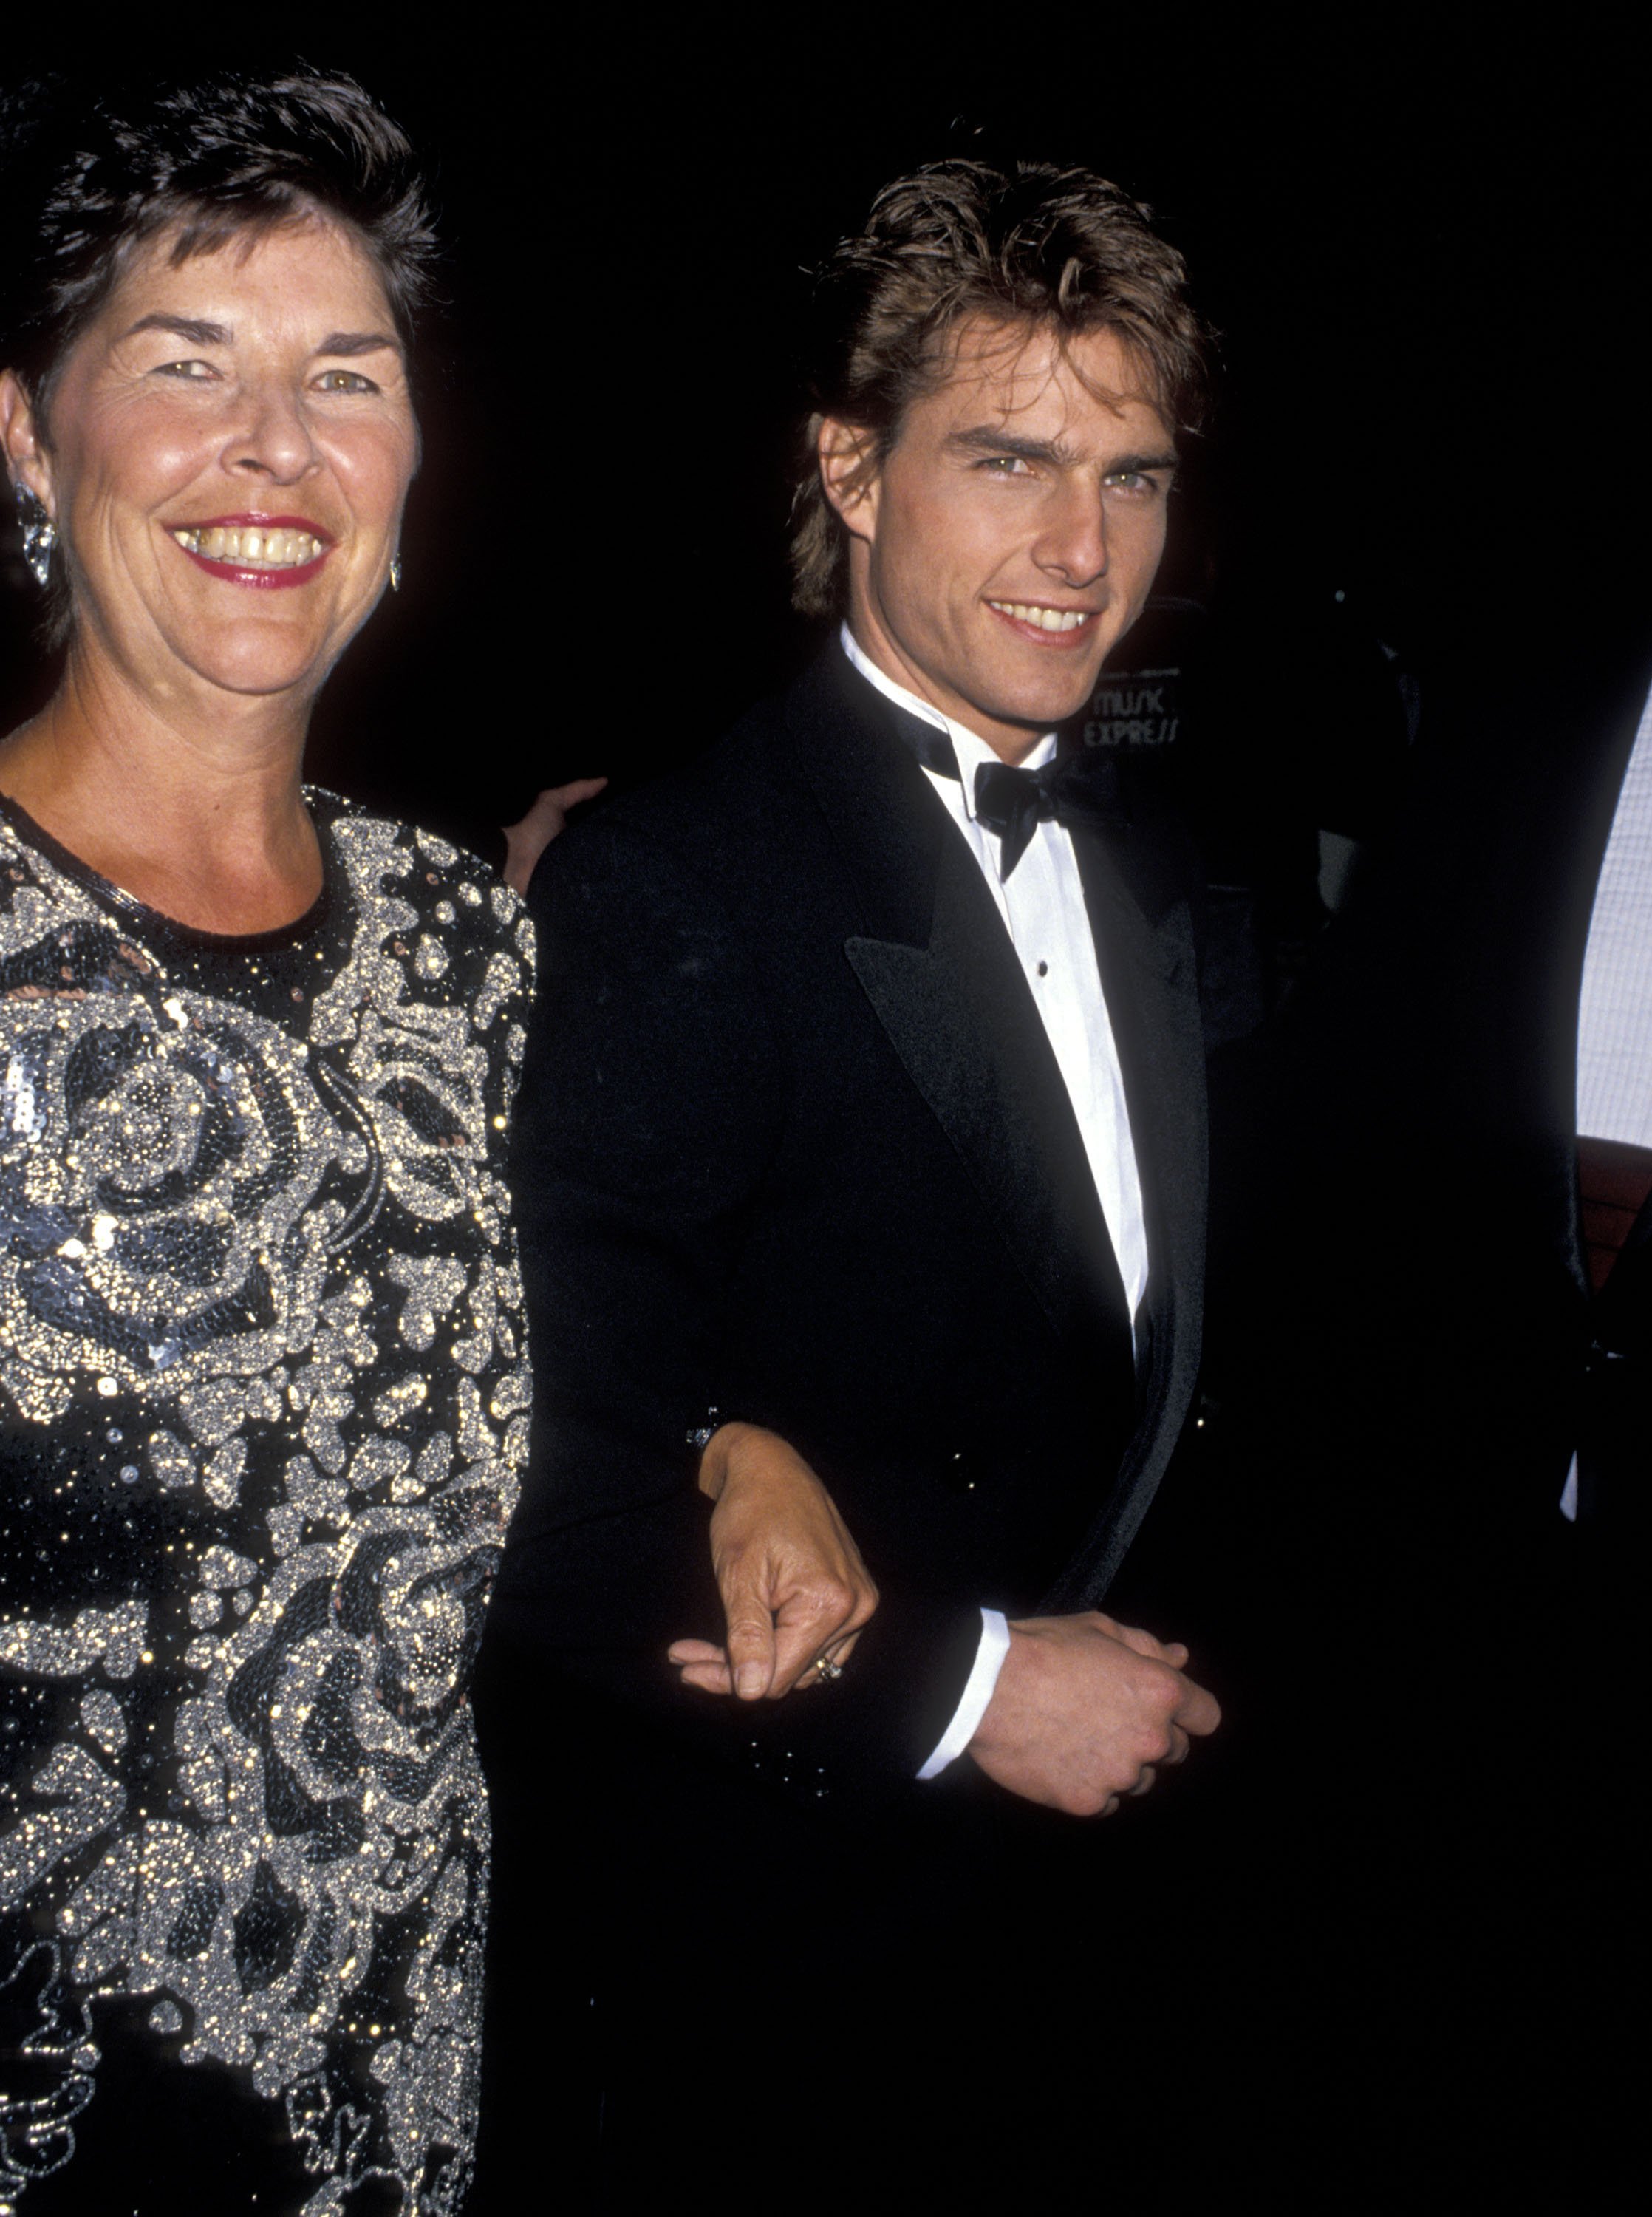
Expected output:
(198, 814)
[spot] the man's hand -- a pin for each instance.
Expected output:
(526, 842)
(794, 1588)
(1084, 1712)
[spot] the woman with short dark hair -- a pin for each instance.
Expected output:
(262, 1379)
(263, 1399)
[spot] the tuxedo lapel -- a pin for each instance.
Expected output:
(937, 967)
(958, 1013)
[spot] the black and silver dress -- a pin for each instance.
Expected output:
(263, 1407)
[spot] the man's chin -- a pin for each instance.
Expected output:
(1039, 709)
(1039, 699)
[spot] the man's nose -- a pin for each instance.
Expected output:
(272, 439)
(1074, 546)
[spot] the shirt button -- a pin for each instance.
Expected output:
(1043, 969)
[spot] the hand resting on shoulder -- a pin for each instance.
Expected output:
(526, 840)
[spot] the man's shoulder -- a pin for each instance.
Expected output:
(735, 797)
(770, 745)
(731, 780)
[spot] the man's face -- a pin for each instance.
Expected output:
(1012, 534)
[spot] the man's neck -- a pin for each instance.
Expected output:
(1011, 743)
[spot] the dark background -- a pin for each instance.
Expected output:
(1423, 242)
(1424, 247)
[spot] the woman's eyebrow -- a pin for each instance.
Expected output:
(203, 333)
(183, 327)
(347, 342)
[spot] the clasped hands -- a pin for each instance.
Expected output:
(1086, 1710)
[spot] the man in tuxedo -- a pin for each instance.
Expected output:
(864, 1103)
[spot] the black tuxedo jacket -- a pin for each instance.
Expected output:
(793, 1146)
(1498, 891)
(1419, 1785)
(1429, 1393)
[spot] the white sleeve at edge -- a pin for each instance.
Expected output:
(978, 1692)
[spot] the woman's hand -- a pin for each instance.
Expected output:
(526, 842)
(795, 1591)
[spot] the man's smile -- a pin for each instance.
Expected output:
(1050, 626)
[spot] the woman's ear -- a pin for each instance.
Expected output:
(29, 464)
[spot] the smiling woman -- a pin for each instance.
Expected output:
(205, 397)
(231, 423)
(262, 1390)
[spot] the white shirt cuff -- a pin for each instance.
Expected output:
(978, 1692)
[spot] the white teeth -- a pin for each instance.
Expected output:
(268, 550)
(1045, 619)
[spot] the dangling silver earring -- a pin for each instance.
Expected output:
(39, 533)
(395, 573)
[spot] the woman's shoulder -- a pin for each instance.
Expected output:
(467, 895)
(464, 934)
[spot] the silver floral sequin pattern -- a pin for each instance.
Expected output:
(263, 1406)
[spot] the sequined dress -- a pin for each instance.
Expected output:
(263, 1406)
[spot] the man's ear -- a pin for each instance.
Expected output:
(28, 462)
(848, 472)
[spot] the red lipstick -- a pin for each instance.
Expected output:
(239, 571)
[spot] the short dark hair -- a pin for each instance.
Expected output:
(1034, 244)
(85, 183)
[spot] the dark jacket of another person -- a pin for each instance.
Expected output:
(1453, 1356)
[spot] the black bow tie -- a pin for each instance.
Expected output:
(1079, 787)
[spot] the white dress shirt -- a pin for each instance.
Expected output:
(1042, 904)
(1614, 1016)
(1614, 1011)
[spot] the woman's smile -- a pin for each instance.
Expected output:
(260, 551)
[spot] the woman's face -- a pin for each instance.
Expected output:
(229, 449)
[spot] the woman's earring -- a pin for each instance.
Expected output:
(395, 573)
(39, 533)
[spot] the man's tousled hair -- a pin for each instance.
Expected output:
(1034, 245)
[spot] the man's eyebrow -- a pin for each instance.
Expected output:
(349, 342)
(990, 439)
(183, 327)
(1139, 465)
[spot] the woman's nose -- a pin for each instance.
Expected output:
(273, 439)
